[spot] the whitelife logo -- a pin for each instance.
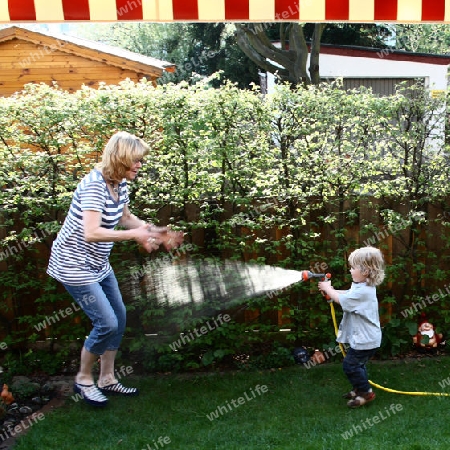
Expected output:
(198, 332)
(370, 422)
(235, 403)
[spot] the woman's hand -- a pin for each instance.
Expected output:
(168, 238)
(150, 240)
(172, 239)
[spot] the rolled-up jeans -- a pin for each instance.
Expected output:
(102, 302)
(354, 366)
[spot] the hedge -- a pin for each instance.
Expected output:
(295, 179)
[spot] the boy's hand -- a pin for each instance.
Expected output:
(328, 291)
(324, 286)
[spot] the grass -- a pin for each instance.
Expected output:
(301, 409)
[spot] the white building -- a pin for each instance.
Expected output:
(380, 69)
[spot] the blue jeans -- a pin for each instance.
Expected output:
(103, 304)
(354, 366)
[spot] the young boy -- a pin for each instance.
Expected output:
(360, 325)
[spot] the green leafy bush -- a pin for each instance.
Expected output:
(297, 179)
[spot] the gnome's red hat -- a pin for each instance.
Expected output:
(423, 319)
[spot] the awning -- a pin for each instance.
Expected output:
(402, 11)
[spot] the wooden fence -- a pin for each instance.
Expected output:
(418, 257)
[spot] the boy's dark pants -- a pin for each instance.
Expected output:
(354, 366)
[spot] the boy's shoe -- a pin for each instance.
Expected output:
(361, 399)
(350, 395)
(90, 394)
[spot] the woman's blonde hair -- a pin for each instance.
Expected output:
(121, 152)
(370, 261)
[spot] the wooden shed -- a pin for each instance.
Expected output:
(35, 57)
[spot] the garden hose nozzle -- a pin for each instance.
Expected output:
(307, 275)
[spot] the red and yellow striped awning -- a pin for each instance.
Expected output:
(402, 11)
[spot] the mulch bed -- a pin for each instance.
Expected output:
(33, 398)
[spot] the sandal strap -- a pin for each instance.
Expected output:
(90, 393)
(118, 388)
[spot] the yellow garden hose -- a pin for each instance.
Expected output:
(393, 391)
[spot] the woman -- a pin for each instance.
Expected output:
(80, 258)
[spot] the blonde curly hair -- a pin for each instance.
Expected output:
(370, 261)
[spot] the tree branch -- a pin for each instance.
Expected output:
(256, 57)
(262, 44)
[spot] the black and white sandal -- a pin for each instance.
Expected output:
(90, 394)
(118, 388)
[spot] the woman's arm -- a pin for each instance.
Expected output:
(170, 239)
(130, 221)
(94, 232)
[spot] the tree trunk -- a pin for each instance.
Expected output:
(288, 62)
(315, 52)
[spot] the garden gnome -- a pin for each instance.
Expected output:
(432, 338)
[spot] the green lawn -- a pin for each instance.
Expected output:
(294, 408)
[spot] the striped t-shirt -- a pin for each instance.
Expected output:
(73, 260)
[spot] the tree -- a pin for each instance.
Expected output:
(198, 50)
(217, 41)
(363, 35)
(290, 59)
(201, 49)
(426, 38)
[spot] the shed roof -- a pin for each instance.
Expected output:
(93, 50)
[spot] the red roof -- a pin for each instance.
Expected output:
(386, 54)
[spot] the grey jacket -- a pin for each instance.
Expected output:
(360, 325)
